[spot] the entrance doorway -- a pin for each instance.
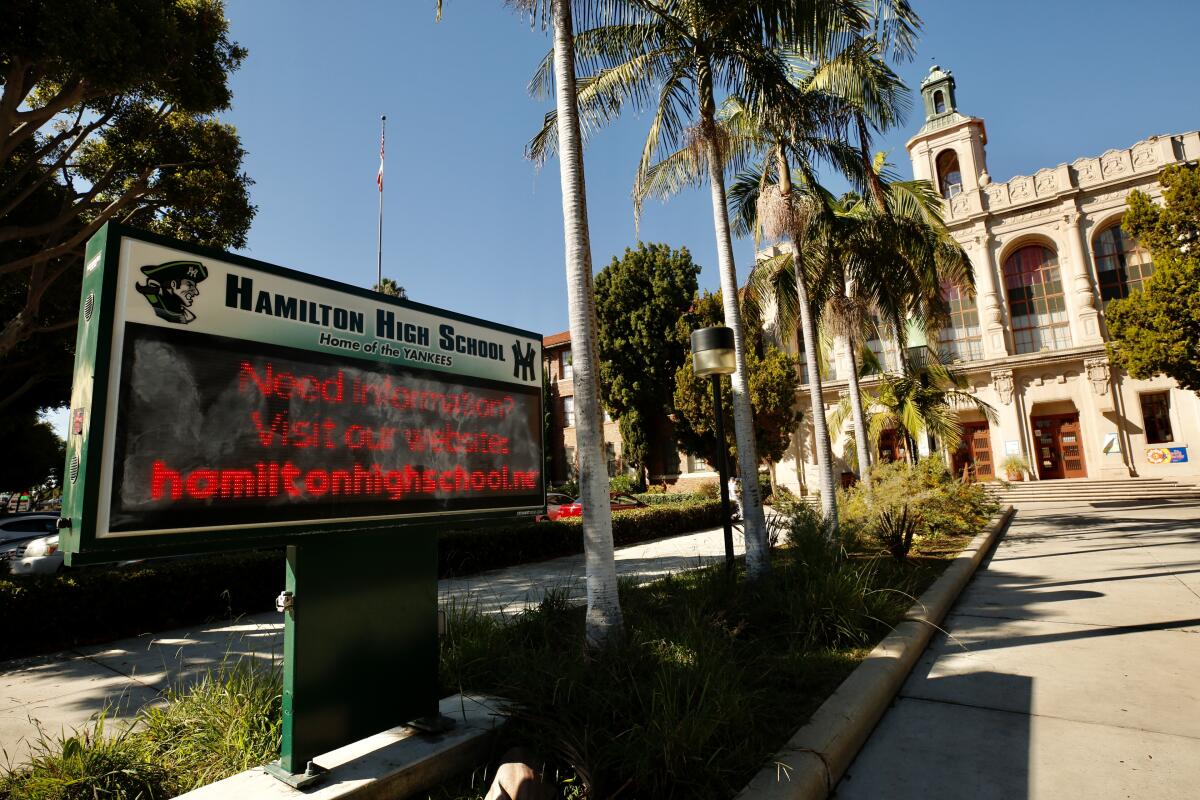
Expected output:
(893, 446)
(1058, 446)
(974, 454)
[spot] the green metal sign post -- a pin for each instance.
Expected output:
(221, 403)
(360, 641)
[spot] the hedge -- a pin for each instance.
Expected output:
(465, 552)
(88, 606)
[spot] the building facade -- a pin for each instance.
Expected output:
(1048, 255)
(677, 471)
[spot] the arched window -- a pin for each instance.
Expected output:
(939, 102)
(1121, 266)
(961, 337)
(1035, 300)
(949, 176)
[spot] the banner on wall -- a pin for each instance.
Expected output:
(1166, 455)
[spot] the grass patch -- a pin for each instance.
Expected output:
(227, 722)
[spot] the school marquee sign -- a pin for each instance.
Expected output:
(222, 402)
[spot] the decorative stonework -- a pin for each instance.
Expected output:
(958, 205)
(1046, 181)
(1087, 169)
(1098, 373)
(1112, 163)
(1144, 156)
(1020, 188)
(1083, 290)
(997, 195)
(1002, 382)
(1028, 215)
(991, 309)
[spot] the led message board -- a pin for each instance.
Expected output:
(222, 402)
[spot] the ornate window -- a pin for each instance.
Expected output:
(949, 175)
(1121, 266)
(1035, 300)
(939, 102)
(962, 337)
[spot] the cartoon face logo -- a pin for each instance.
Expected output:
(172, 287)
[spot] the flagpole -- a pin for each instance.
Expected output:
(379, 251)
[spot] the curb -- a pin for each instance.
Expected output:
(820, 752)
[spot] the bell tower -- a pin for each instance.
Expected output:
(950, 149)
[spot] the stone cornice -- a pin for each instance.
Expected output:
(1082, 176)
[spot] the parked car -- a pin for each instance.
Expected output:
(39, 556)
(618, 500)
(554, 502)
(17, 531)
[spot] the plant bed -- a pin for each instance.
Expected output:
(711, 678)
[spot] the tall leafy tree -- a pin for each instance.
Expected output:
(1156, 330)
(105, 114)
(35, 453)
(640, 298)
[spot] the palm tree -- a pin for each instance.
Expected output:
(391, 288)
(604, 622)
(673, 60)
(923, 397)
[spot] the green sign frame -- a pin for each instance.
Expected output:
(123, 270)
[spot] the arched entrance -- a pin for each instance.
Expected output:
(1057, 441)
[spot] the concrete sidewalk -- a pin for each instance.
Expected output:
(1068, 670)
(63, 690)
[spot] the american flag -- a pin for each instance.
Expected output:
(379, 175)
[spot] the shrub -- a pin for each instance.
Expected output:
(621, 483)
(709, 490)
(896, 527)
(678, 498)
(570, 488)
(941, 505)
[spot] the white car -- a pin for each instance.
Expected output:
(37, 557)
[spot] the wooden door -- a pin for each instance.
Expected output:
(974, 454)
(1070, 443)
(892, 446)
(1059, 447)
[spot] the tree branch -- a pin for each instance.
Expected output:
(25, 124)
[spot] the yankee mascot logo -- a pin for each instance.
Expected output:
(171, 288)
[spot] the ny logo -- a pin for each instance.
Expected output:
(523, 364)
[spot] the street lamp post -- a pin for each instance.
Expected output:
(713, 355)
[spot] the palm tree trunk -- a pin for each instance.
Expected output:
(757, 548)
(860, 419)
(815, 395)
(604, 622)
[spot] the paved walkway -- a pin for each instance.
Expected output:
(63, 690)
(1071, 669)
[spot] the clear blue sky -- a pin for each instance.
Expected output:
(470, 225)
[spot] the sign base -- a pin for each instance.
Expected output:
(311, 776)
